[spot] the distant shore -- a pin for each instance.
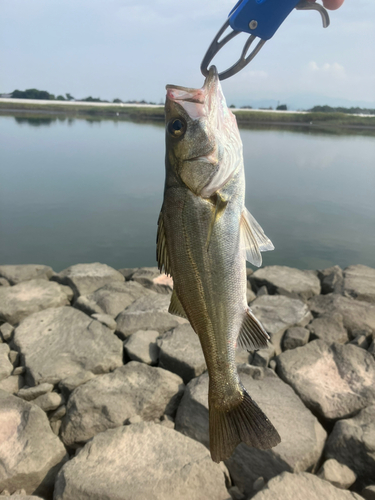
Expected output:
(155, 113)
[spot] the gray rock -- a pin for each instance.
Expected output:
(20, 497)
(12, 384)
(30, 454)
(20, 370)
(49, 401)
(371, 349)
(141, 346)
(368, 493)
(4, 282)
(303, 485)
(301, 445)
(250, 295)
(128, 272)
(181, 352)
(106, 319)
(242, 356)
(19, 301)
(331, 279)
(329, 328)
(147, 313)
(6, 331)
(59, 343)
(296, 336)
(361, 341)
(259, 484)
(262, 291)
(6, 366)
(352, 442)
(27, 272)
(335, 381)
(57, 414)
(109, 400)
(359, 283)
(14, 357)
(277, 313)
(263, 356)
(287, 281)
(150, 277)
(30, 393)
(68, 384)
(337, 474)
(141, 461)
(56, 426)
(358, 316)
(84, 279)
(111, 299)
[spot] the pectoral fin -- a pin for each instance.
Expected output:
(252, 335)
(175, 307)
(253, 238)
(220, 206)
(161, 248)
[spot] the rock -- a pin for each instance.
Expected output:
(369, 492)
(352, 442)
(4, 282)
(20, 497)
(300, 448)
(12, 384)
(236, 494)
(334, 381)
(176, 467)
(359, 283)
(250, 295)
(329, 328)
(30, 454)
(19, 301)
(57, 414)
(263, 356)
(331, 279)
(20, 370)
(6, 366)
(277, 313)
(49, 401)
(358, 316)
(242, 356)
(287, 281)
(337, 474)
(150, 277)
(262, 291)
(6, 331)
(147, 313)
(106, 320)
(303, 485)
(361, 341)
(371, 349)
(295, 337)
(30, 393)
(55, 427)
(84, 279)
(273, 364)
(14, 357)
(181, 352)
(63, 342)
(259, 484)
(128, 272)
(111, 299)
(68, 384)
(141, 346)
(17, 274)
(107, 401)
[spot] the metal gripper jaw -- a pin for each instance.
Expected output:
(261, 19)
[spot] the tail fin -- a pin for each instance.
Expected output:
(244, 423)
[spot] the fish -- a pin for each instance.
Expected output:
(204, 236)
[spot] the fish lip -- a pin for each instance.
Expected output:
(212, 78)
(204, 157)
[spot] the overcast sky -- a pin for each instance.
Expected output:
(132, 48)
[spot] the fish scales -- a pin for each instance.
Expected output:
(205, 235)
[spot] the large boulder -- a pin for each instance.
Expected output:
(27, 272)
(334, 381)
(301, 445)
(141, 461)
(181, 352)
(338, 474)
(59, 343)
(359, 283)
(303, 485)
(147, 313)
(86, 278)
(358, 316)
(12, 384)
(329, 328)
(30, 454)
(6, 366)
(19, 301)
(352, 442)
(277, 313)
(142, 346)
(150, 277)
(109, 400)
(283, 280)
(331, 279)
(112, 298)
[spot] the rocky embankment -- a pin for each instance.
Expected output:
(103, 393)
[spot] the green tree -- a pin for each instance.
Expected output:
(282, 107)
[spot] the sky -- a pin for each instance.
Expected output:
(130, 49)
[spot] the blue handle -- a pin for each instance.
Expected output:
(267, 16)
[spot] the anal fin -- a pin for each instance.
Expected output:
(175, 307)
(252, 334)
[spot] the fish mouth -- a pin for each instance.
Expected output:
(211, 158)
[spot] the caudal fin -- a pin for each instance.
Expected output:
(245, 423)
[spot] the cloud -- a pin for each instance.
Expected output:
(333, 70)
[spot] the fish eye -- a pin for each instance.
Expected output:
(177, 127)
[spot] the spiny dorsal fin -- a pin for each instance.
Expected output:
(252, 335)
(254, 240)
(175, 307)
(161, 248)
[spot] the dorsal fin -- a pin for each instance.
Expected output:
(161, 248)
(253, 239)
(175, 307)
(252, 335)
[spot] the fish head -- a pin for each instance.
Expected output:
(203, 144)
